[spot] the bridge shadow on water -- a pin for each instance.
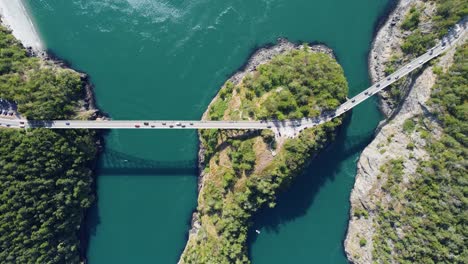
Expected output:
(115, 163)
(299, 196)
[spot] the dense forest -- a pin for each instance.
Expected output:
(427, 222)
(45, 176)
(241, 172)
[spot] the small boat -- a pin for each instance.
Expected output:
(257, 231)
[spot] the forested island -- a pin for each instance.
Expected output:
(46, 175)
(243, 170)
(409, 200)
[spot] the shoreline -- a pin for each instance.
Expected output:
(366, 194)
(259, 56)
(385, 37)
(15, 17)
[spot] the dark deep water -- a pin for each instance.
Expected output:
(152, 59)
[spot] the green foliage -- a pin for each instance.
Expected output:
(292, 85)
(45, 176)
(242, 156)
(448, 13)
(41, 92)
(361, 212)
(411, 21)
(451, 94)
(417, 43)
(45, 185)
(362, 242)
(426, 223)
(409, 125)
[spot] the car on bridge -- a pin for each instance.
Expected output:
(137, 125)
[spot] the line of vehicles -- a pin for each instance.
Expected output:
(7, 110)
(177, 124)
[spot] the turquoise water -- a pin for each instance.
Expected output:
(167, 59)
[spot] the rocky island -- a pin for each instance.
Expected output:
(241, 171)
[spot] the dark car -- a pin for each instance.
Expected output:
(146, 123)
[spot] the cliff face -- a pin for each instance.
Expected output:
(242, 170)
(369, 198)
(386, 43)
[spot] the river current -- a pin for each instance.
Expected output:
(159, 59)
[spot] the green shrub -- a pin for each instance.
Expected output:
(418, 43)
(411, 20)
(409, 125)
(362, 242)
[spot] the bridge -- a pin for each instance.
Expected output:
(282, 127)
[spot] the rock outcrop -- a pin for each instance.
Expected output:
(391, 141)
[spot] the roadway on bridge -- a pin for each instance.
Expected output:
(287, 126)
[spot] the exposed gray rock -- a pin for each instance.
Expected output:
(391, 141)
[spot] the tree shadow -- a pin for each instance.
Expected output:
(300, 195)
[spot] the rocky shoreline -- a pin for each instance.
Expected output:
(258, 57)
(386, 42)
(390, 141)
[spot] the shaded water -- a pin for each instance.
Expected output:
(152, 59)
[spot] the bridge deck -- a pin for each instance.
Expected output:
(286, 126)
